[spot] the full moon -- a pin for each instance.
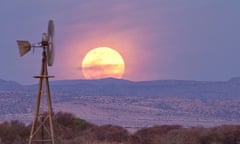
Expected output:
(103, 62)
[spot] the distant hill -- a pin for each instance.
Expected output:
(157, 88)
(130, 103)
(8, 84)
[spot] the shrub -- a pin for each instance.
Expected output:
(110, 133)
(154, 134)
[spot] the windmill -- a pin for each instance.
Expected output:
(42, 125)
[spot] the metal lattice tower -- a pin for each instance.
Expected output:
(42, 128)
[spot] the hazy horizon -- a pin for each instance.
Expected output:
(53, 80)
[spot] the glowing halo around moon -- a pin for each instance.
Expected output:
(103, 62)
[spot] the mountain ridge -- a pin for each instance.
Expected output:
(185, 88)
(110, 79)
(4, 84)
(121, 87)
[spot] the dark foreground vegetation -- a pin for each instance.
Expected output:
(72, 130)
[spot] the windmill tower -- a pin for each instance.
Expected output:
(42, 130)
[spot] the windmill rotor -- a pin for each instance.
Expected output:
(47, 44)
(50, 48)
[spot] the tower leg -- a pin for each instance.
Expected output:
(36, 114)
(50, 111)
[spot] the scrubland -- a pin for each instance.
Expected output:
(72, 130)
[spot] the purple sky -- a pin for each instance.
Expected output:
(159, 39)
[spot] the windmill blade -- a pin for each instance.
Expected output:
(24, 47)
(50, 54)
(51, 28)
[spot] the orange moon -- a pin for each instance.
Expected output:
(103, 62)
